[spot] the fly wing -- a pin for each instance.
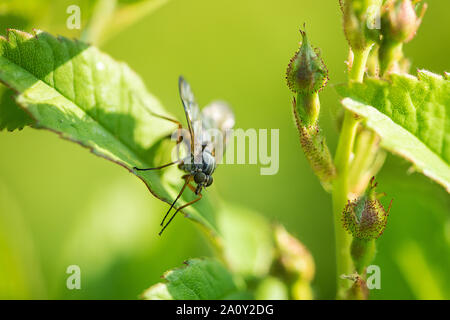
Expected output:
(190, 108)
(217, 120)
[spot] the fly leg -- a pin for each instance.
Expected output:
(182, 207)
(179, 139)
(160, 167)
(180, 127)
(187, 180)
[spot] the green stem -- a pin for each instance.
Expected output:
(366, 148)
(340, 197)
(391, 52)
(359, 64)
(100, 18)
(363, 252)
(341, 185)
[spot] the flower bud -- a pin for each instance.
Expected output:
(294, 256)
(306, 72)
(360, 22)
(306, 75)
(365, 218)
(400, 20)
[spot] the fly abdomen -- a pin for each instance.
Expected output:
(209, 163)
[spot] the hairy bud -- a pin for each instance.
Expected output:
(365, 218)
(306, 72)
(358, 21)
(306, 75)
(400, 20)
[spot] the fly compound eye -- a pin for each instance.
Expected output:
(209, 182)
(199, 177)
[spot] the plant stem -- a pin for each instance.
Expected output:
(126, 16)
(365, 151)
(340, 197)
(359, 64)
(101, 16)
(341, 185)
(390, 54)
(363, 252)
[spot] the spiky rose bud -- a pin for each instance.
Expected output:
(306, 75)
(365, 218)
(400, 20)
(306, 72)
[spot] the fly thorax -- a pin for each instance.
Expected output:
(188, 165)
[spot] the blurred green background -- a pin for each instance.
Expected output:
(61, 205)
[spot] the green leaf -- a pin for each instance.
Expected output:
(248, 246)
(87, 97)
(416, 240)
(12, 117)
(412, 117)
(200, 279)
(420, 275)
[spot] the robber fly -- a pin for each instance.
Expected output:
(206, 139)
